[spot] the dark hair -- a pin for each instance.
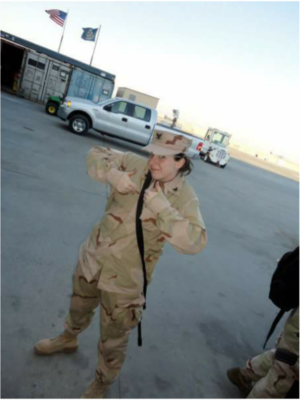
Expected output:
(187, 166)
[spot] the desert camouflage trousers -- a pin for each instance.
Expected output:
(274, 378)
(120, 313)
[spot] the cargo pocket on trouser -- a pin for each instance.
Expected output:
(132, 308)
(285, 378)
(128, 318)
(120, 313)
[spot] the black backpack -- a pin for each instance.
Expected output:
(284, 289)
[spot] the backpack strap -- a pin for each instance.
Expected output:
(139, 234)
(274, 324)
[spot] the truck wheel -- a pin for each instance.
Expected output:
(223, 166)
(51, 108)
(79, 124)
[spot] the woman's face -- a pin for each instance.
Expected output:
(164, 168)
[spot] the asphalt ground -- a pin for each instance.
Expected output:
(206, 313)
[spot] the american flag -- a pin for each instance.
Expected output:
(57, 16)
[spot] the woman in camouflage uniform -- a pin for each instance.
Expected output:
(109, 271)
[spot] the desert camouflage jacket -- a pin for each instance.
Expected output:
(111, 248)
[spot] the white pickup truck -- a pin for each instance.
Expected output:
(118, 117)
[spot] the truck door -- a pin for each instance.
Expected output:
(112, 118)
(139, 126)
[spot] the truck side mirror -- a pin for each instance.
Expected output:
(108, 107)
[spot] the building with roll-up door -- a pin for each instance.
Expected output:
(35, 72)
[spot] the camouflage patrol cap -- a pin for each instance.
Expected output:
(165, 143)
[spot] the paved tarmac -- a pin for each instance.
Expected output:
(206, 313)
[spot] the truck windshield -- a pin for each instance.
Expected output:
(220, 139)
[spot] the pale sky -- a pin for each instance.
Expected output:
(229, 65)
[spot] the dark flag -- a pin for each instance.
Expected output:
(89, 34)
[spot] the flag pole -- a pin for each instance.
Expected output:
(95, 45)
(65, 23)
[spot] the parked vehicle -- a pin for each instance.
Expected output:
(53, 104)
(118, 117)
(214, 147)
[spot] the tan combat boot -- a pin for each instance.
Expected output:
(238, 379)
(97, 390)
(64, 343)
